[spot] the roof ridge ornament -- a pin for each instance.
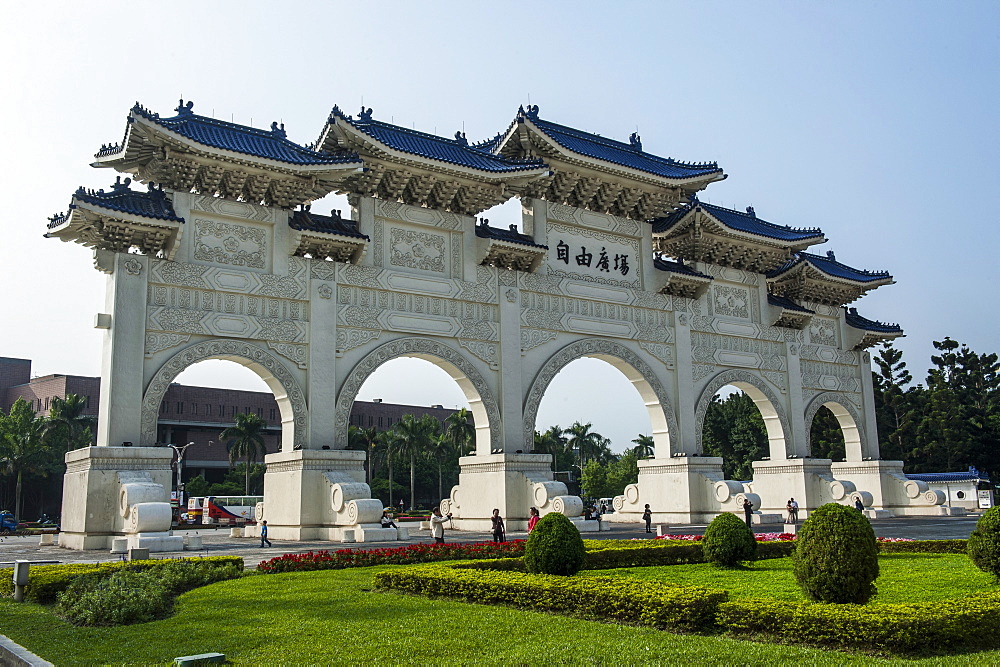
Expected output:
(185, 109)
(365, 115)
(278, 131)
(119, 186)
(751, 212)
(460, 139)
(830, 255)
(635, 141)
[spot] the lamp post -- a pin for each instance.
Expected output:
(179, 450)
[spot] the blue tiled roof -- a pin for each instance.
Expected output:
(617, 152)
(511, 235)
(830, 266)
(859, 322)
(971, 475)
(453, 151)
(268, 144)
(747, 222)
(327, 224)
(152, 204)
(677, 267)
(787, 304)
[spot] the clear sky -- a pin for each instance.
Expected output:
(875, 121)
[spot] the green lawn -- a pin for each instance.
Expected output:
(334, 617)
(904, 577)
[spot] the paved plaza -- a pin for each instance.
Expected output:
(217, 542)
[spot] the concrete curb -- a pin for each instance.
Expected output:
(16, 655)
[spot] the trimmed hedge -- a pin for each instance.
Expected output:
(924, 547)
(658, 604)
(728, 541)
(964, 623)
(409, 555)
(554, 546)
(45, 582)
(836, 556)
(984, 542)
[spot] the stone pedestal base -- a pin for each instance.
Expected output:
(760, 519)
(320, 495)
(155, 542)
(512, 483)
(677, 490)
(890, 489)
(91, 516)
(806, 480)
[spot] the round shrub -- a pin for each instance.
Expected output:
(836, 556)
(554, 546)
(728, 541)
(123, 598)
(984, 542)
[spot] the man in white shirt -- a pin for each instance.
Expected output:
(437, 524)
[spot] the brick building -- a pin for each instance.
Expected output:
(191, 414)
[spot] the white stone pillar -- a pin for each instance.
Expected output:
(364, 209)
(534, 221)
(871, 447)
(122, 387)
(797, 442)
(686, 440)
(511, 388)
(322, 371)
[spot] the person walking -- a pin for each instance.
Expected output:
(647, 516)
(748, 512)
(532, 518)
(793, 511)
(263, 534)
(437, 524)
(498, 527)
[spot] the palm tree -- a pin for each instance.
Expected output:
(22, 446)
(586, 442)
(644, 447)
(442, 449)
(460, 431)
(67, 424)
(364, 439)
(387, 450)
(413, 439)
(245, 440)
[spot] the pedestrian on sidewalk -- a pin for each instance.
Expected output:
(647, 516)
(532, 518)
(499, 533)
(263, 534)
(748, 512)
(437, 524)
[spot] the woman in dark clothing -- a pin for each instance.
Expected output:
(498, 527)
(647, 516)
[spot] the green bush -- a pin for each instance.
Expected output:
(728, 541)
(964, 623)
(659, 604)
(136, 593)
(45, 582)
(984, 542)
(836, 556)
(554, 546)
(924, 547)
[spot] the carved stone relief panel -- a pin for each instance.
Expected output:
(349, 338)
(414, 249)
(823, 331)
(393, 210)
(734, 351)
(665, 353)
(485, 351)
(230, 243)
(233, 208)
(731, 301)
(532, 338)
(730, 274)
(830, 377)
(594, 220)
(562, 313)
(415, 313)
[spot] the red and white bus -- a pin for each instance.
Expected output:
(223, 509)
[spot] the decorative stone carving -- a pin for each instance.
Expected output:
(779, 380)
(348, 338)
(323, 270)
(325, 291)
(701, 371)
(485, 351)
(297, 353)
(830, 377)
(417, 250)
(133, 266)
(664, 353)
(734, 377)
(247, 354)
(822, 332)
(591, 347)
(378, 234)
(231, 208)
(532, 338)
(511, 296)
(163, 341)
(736, 351)
(228, 243)
(731, 301)
(423, 348)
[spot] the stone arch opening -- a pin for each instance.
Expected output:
(482, 404)
(855, 447)
(287, 392)
(775, 421)
(639, 373)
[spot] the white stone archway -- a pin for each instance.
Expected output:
(287, 392)
(767, 402)
(482, 404)
(855, 444)
(638, 372)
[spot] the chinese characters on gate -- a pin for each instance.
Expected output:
(585, 258)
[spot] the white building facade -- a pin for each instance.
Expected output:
(616, 259)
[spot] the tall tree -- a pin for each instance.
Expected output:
(895, 403)
(644, 447)
(22, 446)
(735, 431)
(245, 440)
(459, 431)
(587, 443)
(67, 426)
(826, 436)
(365, 440)
(413, 439)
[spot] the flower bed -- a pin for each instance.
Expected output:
(408, 555)
(773, 537)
